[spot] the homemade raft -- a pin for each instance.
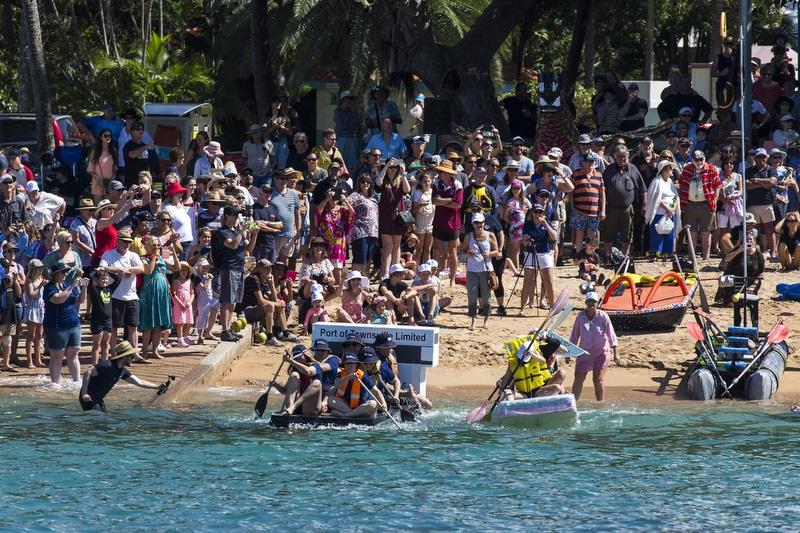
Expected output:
(285, 421)
(640, 303)
(732, 355)
(541, 412)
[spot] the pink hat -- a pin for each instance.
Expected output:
(378, 299)
(213, 149)
(516, 184)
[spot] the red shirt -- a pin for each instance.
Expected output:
(105, 240)
(448, 218)
(711, 184)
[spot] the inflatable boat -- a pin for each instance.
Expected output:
(733, 356)
(541, 412)
(640, 303)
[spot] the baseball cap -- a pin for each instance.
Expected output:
(556, 152)
(517, 140)
(591, 296)
(478, 217)
(633, 86)
(760, 152)
(115, 185)
(31, 186)
(395, 268)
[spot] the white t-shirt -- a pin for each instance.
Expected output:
(127, 286)
(181, 221)
(45, 209)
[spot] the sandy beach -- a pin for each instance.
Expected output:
(470, 362)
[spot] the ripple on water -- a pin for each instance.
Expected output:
(216, 468)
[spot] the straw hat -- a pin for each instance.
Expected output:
(103, 204)
(446, 166)
(124, 235)
(213, 198)
(545, 159)
(124, 349)
(86, 204)
(187, 266)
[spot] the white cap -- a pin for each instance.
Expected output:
(345, 94)
(31, 186)
(591, 296)
(685, 110)
(317, 297)
(478, 217)
(555, 151)
(433, 263)
(424, 267)
(395, 268)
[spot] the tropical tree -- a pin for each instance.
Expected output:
(38, 73)
(156, 73)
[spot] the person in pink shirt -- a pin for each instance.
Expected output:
(594, 333)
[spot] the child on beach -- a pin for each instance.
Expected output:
(33, 313)
(182, 298)
(427, 287)
(99, 292)
(588, 261)
(379, 314)
(316, 313)
(514, 209)
(207, 302)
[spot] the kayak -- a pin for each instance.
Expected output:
(325, 420)
(656, 306)
(540, 412)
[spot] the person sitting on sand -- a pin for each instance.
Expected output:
(402, 298)
(320, 371)
(356, 395)
(101, 378)
(427, 287)
(588, 261)
(528, 374)
(379, 314)
(593, 332)
(354, 294)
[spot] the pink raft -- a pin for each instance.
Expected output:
(542, 412)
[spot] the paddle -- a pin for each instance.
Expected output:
(382, 406)
(481, 411)
(261, 403)
(693, 256)
(778, 334)
(405, 414)
(164, 386)
(698, 334)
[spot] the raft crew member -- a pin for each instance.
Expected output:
(531, 373)
(381, 374)
(355, 393)
(321, 370)
(384, 346)
(101, 378)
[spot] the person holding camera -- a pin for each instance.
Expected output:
(540, 236)
(62, 325)
(136, 154)
(335, 218)
(287, 203)
(392, 184)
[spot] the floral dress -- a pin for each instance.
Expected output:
(516, 217)
(334, 225)
(155, 303)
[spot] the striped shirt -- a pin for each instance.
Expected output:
(586, 196)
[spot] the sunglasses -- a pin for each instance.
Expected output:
(137, 129)
(311, 159)
(299, 141)
(106, 136)
(684, 145)
(165, 220)
(240, 198)
(9, 251)
(493, 165)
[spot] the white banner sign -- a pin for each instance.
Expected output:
(415, 344)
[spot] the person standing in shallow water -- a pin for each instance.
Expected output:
(594, 333)
(101, 378)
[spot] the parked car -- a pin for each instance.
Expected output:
(19, 129)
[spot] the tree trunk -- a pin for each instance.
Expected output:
(25, 95)
(570, 77)
(41, 95)
(588, 54)
(649, 30)
(524, 36)
(715, 38)
(258, 57)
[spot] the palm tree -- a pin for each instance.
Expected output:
(156, 74)
(38, 72)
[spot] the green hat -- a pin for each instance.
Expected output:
(124, 349)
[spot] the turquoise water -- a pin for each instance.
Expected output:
(215, 468)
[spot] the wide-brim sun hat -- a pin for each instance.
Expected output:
(446, 166)
(104, 204)
(124, 349)
(664, 163)
(356, 274)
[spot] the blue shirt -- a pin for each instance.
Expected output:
(327, 378)
(63, 315)
(539, 236)
(286, 204)
(396, 147)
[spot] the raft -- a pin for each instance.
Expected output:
(760, 383)
(541, 412)
(284, 421)
(650, 306)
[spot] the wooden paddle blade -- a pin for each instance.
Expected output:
(695, 331)
(478, 413)
(261, 405)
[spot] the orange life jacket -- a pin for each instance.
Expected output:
(350, 391)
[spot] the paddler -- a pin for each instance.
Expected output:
(594, 333)
(318, 373)
(354, 392)
(384, 346)
(101, 378)
(532, 377)
(381, 374)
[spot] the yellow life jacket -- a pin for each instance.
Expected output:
(527, 376)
